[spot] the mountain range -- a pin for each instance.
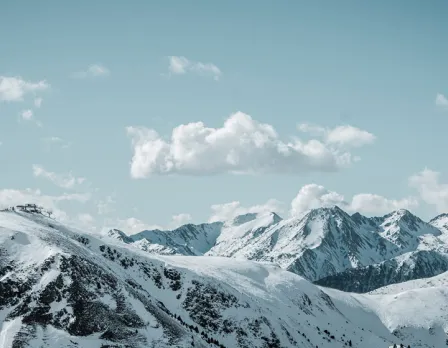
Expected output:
(326, 245)
(62, 287)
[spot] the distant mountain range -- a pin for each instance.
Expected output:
(64, 288)
(325, 245)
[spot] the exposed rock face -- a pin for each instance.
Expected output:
(410, 266)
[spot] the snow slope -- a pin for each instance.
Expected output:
(440, 281)
(64, 288)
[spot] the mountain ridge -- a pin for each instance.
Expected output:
(320, 243)
(65, 288)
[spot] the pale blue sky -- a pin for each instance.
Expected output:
(377, 66)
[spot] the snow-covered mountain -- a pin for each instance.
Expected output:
(64, 288)
(322, 243)
(186, 240)
(327, 241)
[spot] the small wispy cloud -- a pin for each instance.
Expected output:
(13, 89)
(28, 116)
(441, 100)
(50, 142)
(95, 70)
(66, 180)
(179, 65)
(38, 102)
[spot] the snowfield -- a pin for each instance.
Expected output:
(61, 287)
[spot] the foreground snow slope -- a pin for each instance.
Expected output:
(64, 288)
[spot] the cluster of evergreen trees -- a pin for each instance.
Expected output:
(192, 328)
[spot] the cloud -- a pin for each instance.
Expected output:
(344, 136)
(13, 89)
(132, 225)
(241, 146)
(66, 180)
(374, 204)
(313, 196)
(431, 190)
(106, 206)
(349, 136)
(86, 219)
(95, 70)
(179, 220)
(12, 197)
(51, 142)
(27, 114)
(228, 211)
(179, 65)
(38, 102)
(441, 100)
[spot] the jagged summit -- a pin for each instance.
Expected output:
(441, 222)
(241, 219)
(120, 235)
(438, 217)
(245, 218)
(320, 243)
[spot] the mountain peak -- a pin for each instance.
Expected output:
(439, 217)
(120, 235)
(333, 210)
(244, 218)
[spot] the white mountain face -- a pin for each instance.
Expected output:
(322, 243)
(61, 288)
(186, 240)
(441, 222)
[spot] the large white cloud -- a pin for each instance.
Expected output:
(15, 88)
(314, 196)
(179, 65)
(64, 180)
(431, 190)
(242, 145)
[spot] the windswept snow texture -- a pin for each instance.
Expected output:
(64, 288)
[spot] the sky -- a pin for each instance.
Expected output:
(144, 114)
